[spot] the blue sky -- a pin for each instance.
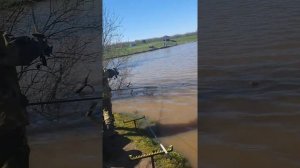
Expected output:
(141, 19)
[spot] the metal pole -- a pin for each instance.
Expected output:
(135, 124)
(83, 99)
(152, 161)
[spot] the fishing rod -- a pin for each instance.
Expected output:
(162, 150)
(155, 137)
(142, 87)
(64, 101)
(81, 99)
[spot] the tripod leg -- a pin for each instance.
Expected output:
(152, 161)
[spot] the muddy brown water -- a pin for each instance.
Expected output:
(67, 147)
(72, 140)
(249, 84)
(171, 97)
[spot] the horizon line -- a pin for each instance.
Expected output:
(156, 37)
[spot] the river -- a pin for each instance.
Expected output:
(170, 97)
(249, 83)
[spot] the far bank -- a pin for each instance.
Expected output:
(142, 46)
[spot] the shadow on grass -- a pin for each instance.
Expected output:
(114, 155)
(161, 130)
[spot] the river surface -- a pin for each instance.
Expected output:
(170, 97)
(249, 83)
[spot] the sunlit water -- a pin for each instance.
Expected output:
(172, 98)
(249, 84)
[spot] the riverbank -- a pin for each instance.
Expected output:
(137, 142)
(142, 46)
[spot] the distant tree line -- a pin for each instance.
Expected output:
(126, 44)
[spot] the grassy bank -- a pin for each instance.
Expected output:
(145, 144)
(129, 48)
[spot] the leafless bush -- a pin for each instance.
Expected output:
(112, 47)
(75, 40)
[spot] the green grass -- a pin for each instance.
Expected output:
(145, 144)
(186, 39)
(124, 49)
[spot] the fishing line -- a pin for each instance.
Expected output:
(149, 127)
(155, 136)
(161, 104)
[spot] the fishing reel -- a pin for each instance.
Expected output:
(112, 73)
(23, 49)
(46, 49)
